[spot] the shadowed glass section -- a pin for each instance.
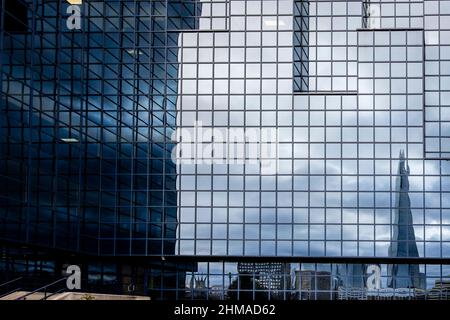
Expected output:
(301, 45)
(86, 118)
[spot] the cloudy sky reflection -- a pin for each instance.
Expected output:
(333, 193)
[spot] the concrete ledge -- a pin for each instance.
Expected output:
(73, 296)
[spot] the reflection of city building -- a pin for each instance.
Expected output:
(403, 242)
(197, 288)
(271, 275)
(349, 293)
(85, 119)
(301, 45)
(351, 275)
(395, 294)
(351, 281)
(440, 291)
(380, 294)
(314, 285)
(218, 292)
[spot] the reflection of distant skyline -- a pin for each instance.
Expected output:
(349, 280)
(403, 243)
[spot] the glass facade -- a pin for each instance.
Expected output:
(230, 149)
(86, 119)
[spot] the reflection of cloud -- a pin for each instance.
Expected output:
(334, 175)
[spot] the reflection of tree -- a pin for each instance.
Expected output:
(247, 285)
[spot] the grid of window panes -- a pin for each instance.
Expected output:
(86, 115)
(387, 14)
(309, 281)
(432, 17)
(330, 27)
(301, 45)
(437, 79)
(197, 279)
(335, 189)
(26, 269)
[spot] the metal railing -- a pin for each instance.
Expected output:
(11, 281)
(8, 283)
(45, 289)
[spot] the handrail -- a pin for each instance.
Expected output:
(40, 289)
(54, 293)
(11, 281)
(10, 292)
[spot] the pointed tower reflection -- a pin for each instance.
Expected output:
(403, 242)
